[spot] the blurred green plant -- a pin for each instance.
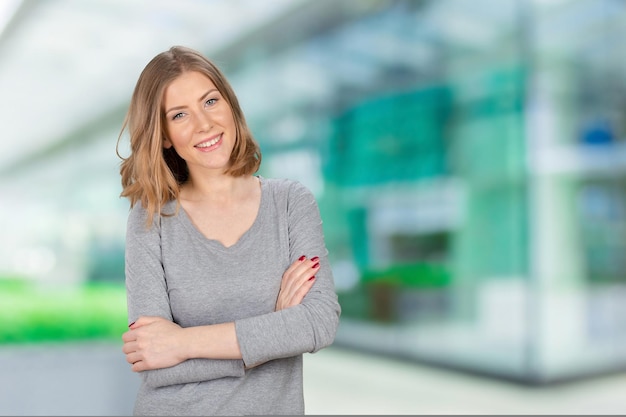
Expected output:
(411, 275)
(45, 313)
(377, 295)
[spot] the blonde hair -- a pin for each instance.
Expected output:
(152, 174)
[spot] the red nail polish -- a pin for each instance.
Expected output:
(317, 258)
(317, 265)
(302, 258)
(312, 278)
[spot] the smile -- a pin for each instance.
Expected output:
(209, 143)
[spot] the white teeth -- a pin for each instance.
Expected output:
(209, 143)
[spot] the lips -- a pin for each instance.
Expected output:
(209, 142)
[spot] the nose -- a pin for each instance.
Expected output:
(204, 122)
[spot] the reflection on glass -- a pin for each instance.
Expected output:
(468, 158)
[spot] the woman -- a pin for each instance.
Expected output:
(227, 275)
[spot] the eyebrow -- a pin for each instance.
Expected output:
(200, 99)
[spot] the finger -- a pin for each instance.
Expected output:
(138, 366)
(133, 357)
(297, 262)
(291, 269)
(302, 291)
(296, 282)
(129, 336)
(297, 272)
(129, 347)
(304, 274)
(301, 264)
(299, 291)
(293, 279)
(142, 321)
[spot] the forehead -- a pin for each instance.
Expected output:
(188, 85)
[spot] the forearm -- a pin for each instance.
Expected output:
(307, 327)
(167, 354)
(157, 343)
(216, 341)
(193, 370)
(147, 296)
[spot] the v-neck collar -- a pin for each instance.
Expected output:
(186, 221)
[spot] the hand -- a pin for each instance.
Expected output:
(153, 343)
(296, 282)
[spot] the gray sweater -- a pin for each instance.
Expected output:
(174, 271)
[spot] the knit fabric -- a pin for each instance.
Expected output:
(174, 271)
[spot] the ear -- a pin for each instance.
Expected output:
(166, 143)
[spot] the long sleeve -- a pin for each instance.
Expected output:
(147, 295)
(311, 325)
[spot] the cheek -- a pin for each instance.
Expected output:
(177, 135)
(230, 122)
(225, 117)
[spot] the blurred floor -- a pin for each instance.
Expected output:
(344, 381)
(93, 379)
(66, 379)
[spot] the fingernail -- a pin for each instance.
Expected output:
(317, 258)
(302, 258)
(131, 324)
(311, 279)
(317, 265)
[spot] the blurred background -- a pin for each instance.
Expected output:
(468, 157)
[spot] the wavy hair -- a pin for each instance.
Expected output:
(151, 174)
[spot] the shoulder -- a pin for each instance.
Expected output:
(138, 218)
(292, 196)
(137, 214)
(287, 189)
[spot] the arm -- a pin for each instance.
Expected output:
(156, 343)
(299, 325)
(147, 296)
(311, 325)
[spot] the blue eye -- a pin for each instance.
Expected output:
(177, 116)
(211, 101)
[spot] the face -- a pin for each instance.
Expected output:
(199, 123)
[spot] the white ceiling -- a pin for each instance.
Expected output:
(63, 63)
(68, 65)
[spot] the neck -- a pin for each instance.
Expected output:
(215, 188)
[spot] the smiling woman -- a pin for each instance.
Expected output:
(202, 130)
(227, 272)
